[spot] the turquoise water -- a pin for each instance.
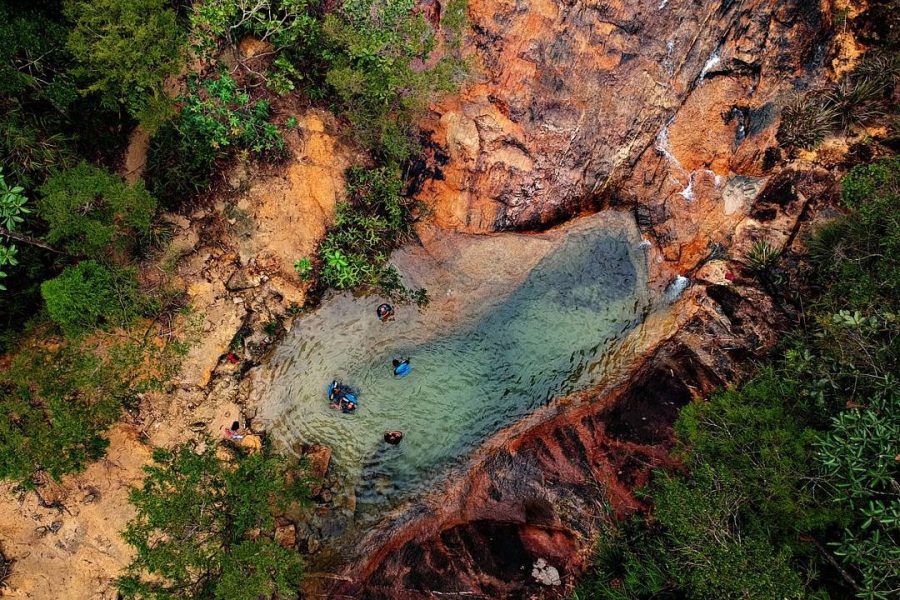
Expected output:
(472, 373)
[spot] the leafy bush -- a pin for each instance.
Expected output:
(220, 114)
(127, 48)
(205, 528)
(372, 46)
(858, 259)
(859, 454)
(857, 100)
(93, 213)
(805, 122)
(355, 251)
(217, 117)
(89, 295)
(283, 23)
(12, 207)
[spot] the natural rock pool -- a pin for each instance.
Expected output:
(515, 321)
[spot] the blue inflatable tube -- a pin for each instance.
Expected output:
(402, 370)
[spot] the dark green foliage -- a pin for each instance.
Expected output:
(58, 401)
(178, 168)
(374, 44)
(800, 462)
(91, 212)
(126, 49)
(860, 98)
(858, 259)
(377, 218)
(805, 122)
(35, 88)
(205, 528)
(89, 295)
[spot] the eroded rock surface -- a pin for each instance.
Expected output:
(571, 99)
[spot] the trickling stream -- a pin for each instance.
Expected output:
(516, 321)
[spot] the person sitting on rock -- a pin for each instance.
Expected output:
(385, 312)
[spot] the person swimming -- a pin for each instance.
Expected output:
(385, 312)
(393, 437)
(401, 367)
(342, 397)
(348, 404)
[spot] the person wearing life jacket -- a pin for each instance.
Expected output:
(348, 404)
(401, 367)
(342, 397)
(385, 312)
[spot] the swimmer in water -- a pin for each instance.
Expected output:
(393, 437)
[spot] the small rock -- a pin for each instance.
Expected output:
(286, 535)
(318, 458)
(238, 300)
(545, 574)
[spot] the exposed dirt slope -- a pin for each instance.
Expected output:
(234, 259)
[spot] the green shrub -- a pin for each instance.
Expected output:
(217, 117)
(93, 213)
(378, 217)
(858, 259)
(859, 455)
(216, 112)
(304, 268)
(805, 122)
(205, 528)
(90, 295)
(796, 470)
(127, 48)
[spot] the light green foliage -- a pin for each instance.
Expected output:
(304, 268)
(216, 112)
(355, 251)
(127, 48)
(92, 212)
(280, 22)
(860, 455)
(12, 207)
(205, 528)
(217, 117)
(58, 401)
(289, 25)
(89, 295)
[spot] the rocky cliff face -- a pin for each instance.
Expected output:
(665, 108)
(571, 100)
